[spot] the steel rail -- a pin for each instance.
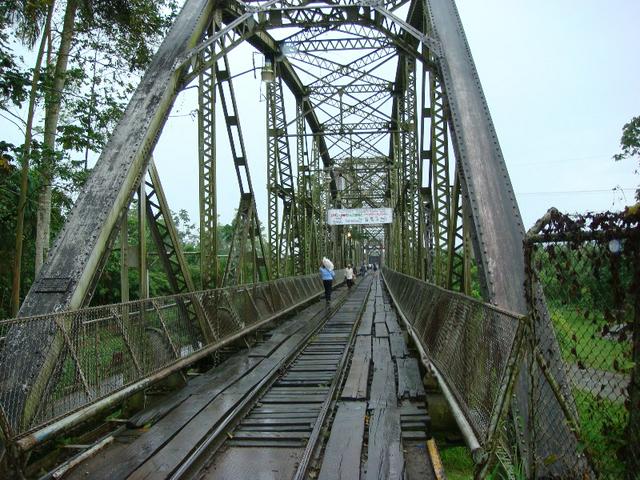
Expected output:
(303, 465)
(194, 462)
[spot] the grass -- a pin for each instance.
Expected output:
(602, 425)
(582, 342)
(457, 463)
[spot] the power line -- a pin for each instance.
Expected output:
(560, 161)
(561, 192)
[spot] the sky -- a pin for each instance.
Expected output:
(561, 78)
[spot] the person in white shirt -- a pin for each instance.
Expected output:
(349, 275)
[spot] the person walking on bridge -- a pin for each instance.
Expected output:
(349, 275)
(327, 275)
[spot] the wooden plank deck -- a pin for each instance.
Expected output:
(382, 401)
(344, 447)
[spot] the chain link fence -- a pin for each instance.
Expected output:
(586, 269)
(90, 354)
(472, 345)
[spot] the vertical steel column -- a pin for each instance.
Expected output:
(273, 188)
(246, 222)
(304, 189)
(415, 180)
(207, 170)
(459, 245)
(315, 208)
(324, 195)
(394, 243)
(410, 190)
(124, 258)
(143, 291)
(287, 240)
(424, 226)
(441, 185)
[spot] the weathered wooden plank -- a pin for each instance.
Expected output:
(229, 372)
(398, 346)
(355, 386)
(177, 432)
(366, 323)
(221, 377)
(409, 379)
(309, 421)
(381, 330)
(277, 427)
(266, 443)
(383, 384)
(385, 460)
(264, 349)
(344, 447)
(392, 322)
(283, 414)
(289, 409)
(288, 435)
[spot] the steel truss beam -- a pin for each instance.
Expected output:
(365, 180)
(246, 227)
(207, 171)
(165, 236)
(325, 90)
(459, 244)
(365, 109)
(353, 43)
(354, 70)
(304, 208)
(409, 185)
(440, 184)
(284, 237)
(279, 15)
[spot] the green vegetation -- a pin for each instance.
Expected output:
(603, 424)
(630, 143)
(590, 294)
(64, 109)
(457, 463)
(583, 340)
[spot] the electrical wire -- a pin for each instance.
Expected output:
(562, 192)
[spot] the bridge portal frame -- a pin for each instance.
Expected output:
(483, 179)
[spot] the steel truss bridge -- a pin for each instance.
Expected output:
(368, 104)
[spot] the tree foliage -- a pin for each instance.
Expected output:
(113, 42)
(630, 143)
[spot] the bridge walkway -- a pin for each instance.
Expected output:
(332, 393)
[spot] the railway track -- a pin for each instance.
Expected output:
(291, 412)
(333, 393)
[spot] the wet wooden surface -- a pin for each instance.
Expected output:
(378, 429)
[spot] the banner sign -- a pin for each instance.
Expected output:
(359, 216)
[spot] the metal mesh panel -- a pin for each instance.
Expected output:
(91, 353)
(469, 342)
(588, 271)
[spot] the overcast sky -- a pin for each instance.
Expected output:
(561, 78)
